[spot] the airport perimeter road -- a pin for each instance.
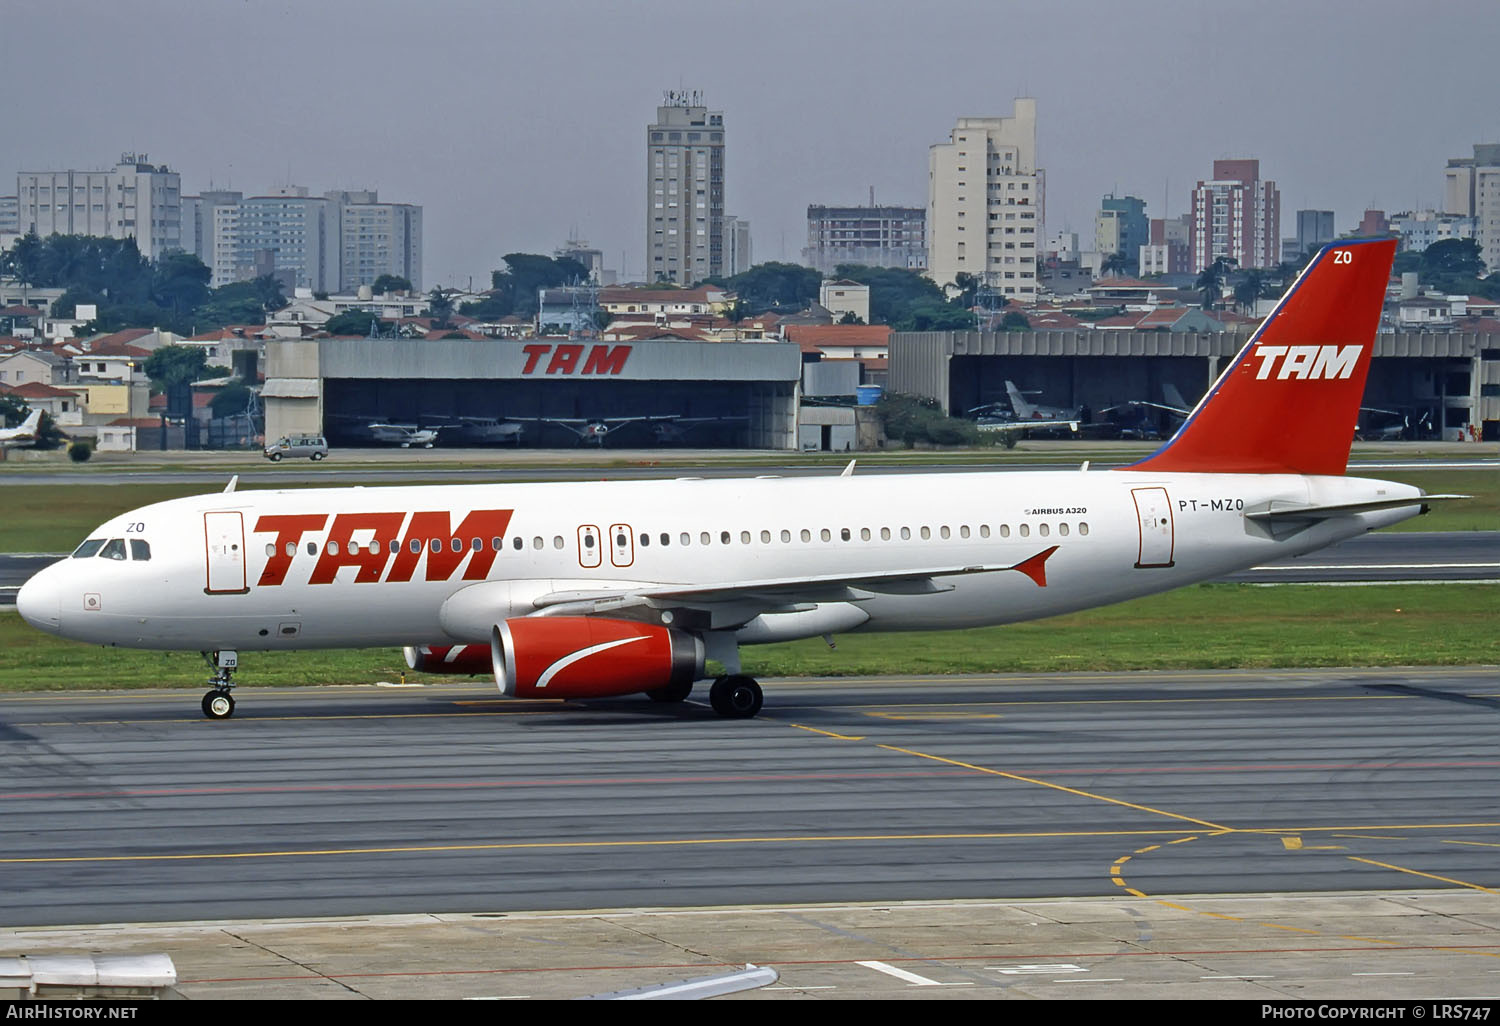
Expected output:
(364, 801)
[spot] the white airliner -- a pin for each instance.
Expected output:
(589, 589)
(24, 433)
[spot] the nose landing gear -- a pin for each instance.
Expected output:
(218, 704)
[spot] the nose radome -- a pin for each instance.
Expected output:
(40, 601)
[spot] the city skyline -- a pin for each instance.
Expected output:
(514, 146)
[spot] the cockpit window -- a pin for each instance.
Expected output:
(88, 548)
(113, 549)
(140, 549)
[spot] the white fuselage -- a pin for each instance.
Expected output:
(226, 572)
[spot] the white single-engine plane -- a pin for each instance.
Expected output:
(589, 589)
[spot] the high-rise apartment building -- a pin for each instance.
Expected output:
(985, 205)
(330, 243)
(10, 214)
(136, 200)
(875, 236)
(1236, 216)
(377, 238)
(198, 222)
(737, 250)
(1472, 189)
(685, 191)
(1121, 226)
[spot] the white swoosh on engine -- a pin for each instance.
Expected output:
(568, 660)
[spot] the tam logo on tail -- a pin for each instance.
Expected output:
(1289, 402)
(1302, 362)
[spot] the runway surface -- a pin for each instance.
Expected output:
(889, 799)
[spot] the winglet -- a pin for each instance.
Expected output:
(232, 482)
(1036, 566)
(849, 470)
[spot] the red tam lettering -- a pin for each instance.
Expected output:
(289, 530)
(443, 561)
(565, 359)
(606, 359)
(371, 559)
(534, 352)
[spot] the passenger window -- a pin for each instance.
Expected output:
(984, 530)
(476, 544)
(139, 549)
(1043, 530)
(1083, 528)
(885, 534)
(645, 539)
(806, 535)
(926, 533)
(686, 538)
(864, 534)
(944, 531)
(333, 548)
(1005, 530)
(843, 534)
(705, 537)
(270, 549)
(905, 534)
(744, 537)
(666, 539)
(536, 543)
(765, 537)
(963, 532)
(291, 549)
(312, 548)
(786, 536)
(516, 543)
(88, 548)
(557, 541)
(1062, 529)
(825, 534)
(435, 544)
(724, 537)
(495, 544)
(416, 545)
(1025, 530)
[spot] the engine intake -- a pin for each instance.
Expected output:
(585, 657)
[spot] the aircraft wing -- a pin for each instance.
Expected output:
(734, 602)
(1027, 425)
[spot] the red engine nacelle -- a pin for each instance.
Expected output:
(582, 657)
(470, 659)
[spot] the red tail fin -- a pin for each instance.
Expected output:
(1290, 400)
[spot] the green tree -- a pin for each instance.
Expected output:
(1249, 289)
(176, 365)
(1453, 257)
(1211, 282)
(180, 282)
(1015, 320)
(390, 283)
(894, 291)
(1116, 265)
(439, 308)
(773, 286)
(231, 400)
(352, 322)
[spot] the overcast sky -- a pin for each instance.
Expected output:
(517, 124)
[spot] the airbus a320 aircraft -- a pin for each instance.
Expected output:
(584, 590)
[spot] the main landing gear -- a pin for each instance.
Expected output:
(735, 696)
(218, 704)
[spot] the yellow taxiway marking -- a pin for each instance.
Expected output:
(1056, 787)
(1477, 844)
(594, 845)
(936, 715)
(1295, 844)
(826, 733)
(1429, 876)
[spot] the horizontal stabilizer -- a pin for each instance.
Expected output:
(1342, 509)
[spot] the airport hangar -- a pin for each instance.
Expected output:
(1454, 375)
(741, 394)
